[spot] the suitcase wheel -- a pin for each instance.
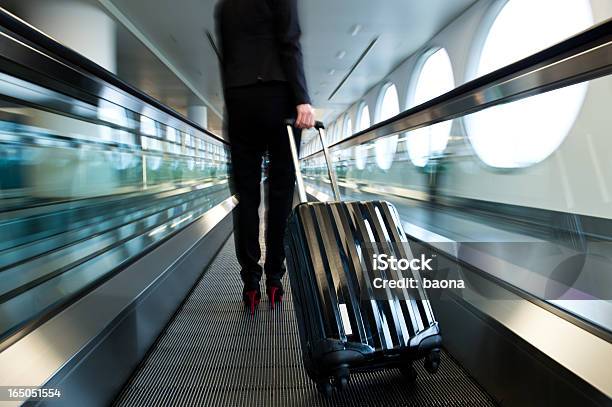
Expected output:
(432, 361)
(341, 382)
(341, 378)
(325, 388)
(409, 373)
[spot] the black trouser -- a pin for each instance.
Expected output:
(256, 125)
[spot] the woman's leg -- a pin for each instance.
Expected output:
(247, 148)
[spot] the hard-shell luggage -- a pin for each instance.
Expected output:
(346, 324)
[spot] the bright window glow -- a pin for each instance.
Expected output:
(434, 79)
(152, 144)
(348, 128)
(172, 135)
(361, 152)
(364, 118)
(147, 126)
(112, 113)
(153, 161)
(188, 140)
(526, 132)
(388, 103)
(347, 131)
(388, 107)
(330, 134)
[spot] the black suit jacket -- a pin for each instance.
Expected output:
(259, 41)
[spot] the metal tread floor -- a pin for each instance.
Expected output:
(214, 353)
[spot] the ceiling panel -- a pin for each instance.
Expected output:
(177, 30)
(402, 26)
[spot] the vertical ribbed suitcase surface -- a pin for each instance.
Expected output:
(345, 323)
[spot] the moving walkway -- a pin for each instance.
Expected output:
(214, 353)
(122, 288)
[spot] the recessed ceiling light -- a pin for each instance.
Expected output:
(356, 29)
(341, 54)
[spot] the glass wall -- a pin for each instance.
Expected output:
(87, 188)
(49, 156)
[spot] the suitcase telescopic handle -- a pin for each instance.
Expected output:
(296, 161)
(318, 125)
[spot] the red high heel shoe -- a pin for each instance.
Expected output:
(251, 299)
(275, 294)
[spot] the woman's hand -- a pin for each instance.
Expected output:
(305, 117)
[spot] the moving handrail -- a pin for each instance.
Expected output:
(585, 56)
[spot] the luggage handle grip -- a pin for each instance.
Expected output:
(318, 125)
(296, 161)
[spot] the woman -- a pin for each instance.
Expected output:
(264, 84)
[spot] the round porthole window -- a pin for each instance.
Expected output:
(388, 106)
(527, 131)
(348, 128)
(363, 122)
(434, 79)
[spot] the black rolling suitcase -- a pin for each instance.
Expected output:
(346, 325)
